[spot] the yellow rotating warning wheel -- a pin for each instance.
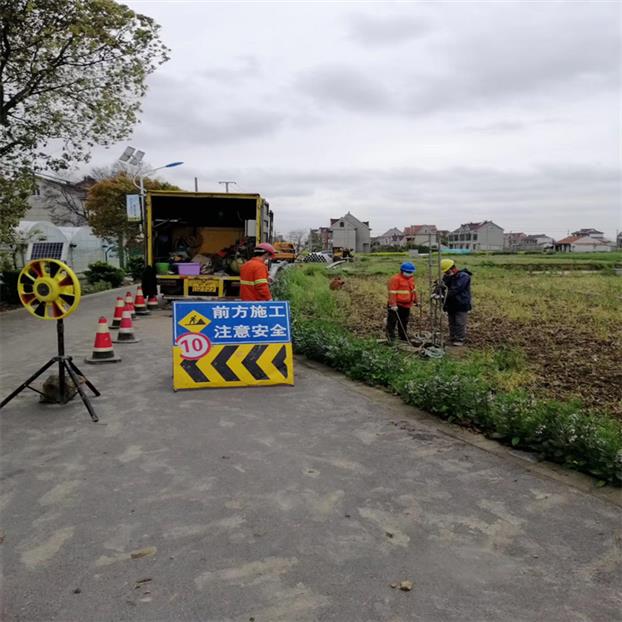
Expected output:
(49, 289)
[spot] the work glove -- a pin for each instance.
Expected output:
(393, 308)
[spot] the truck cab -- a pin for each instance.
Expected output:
(197, 241)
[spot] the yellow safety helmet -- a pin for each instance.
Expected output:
(447, 264)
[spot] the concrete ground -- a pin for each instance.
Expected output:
(277, 504)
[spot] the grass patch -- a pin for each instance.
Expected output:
(481, 391)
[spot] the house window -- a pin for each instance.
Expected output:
(341, 224)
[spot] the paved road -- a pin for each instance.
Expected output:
(275, 504)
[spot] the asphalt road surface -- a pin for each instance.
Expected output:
(276, 504)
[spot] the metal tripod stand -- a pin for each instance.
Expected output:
(65, 364)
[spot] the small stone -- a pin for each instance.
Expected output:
(145, 552)
(347, 515)
(77, 591)
(388, 534)
(406, 586)
(393, 585)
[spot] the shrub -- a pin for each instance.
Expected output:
(9, 287)
(98, 286)
(102, 271)
(135, 267)
(460, 391)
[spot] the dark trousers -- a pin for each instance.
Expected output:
(457, 325)
(402, 314)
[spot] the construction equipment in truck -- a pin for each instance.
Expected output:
(197, 241)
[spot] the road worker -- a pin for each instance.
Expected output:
(254, 274)
(402, 296)
(457, 300)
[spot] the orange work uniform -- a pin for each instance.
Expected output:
(254, 280)
(402, 291)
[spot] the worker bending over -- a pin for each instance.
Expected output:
(402, 296)
(254, 274)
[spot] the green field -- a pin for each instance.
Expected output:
(541, 334)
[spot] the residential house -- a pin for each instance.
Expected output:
(513, 241)
(582, 244)
(537, 242)
(421, 235)
(59, 201)
(392, 237)
(350, 232)
(477, 236)
(592, 233)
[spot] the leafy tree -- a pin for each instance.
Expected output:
(297, 238)
(14, 192)
(106, 211)
(72, 74)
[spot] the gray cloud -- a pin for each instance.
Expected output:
(242, 68)
(385, 30)
(344, 87)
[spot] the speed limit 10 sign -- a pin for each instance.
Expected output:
(193, 346)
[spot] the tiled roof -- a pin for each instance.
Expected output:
(569, 240)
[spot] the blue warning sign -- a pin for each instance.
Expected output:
(233, 322)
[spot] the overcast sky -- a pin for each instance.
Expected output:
(400, 112)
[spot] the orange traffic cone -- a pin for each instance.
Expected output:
(118, 313)
(129, 304)
(102, 348)
(126, 330)
(152, 303)
(139, 302)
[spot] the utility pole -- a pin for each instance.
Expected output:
(226, 183)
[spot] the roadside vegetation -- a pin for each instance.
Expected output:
(541, 372)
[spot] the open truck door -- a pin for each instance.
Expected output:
(197, 241)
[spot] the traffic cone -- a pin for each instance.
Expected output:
(126, 330)
(102, 348)
(118, 313)
(129, 304)
(152, 303)
(139, 302)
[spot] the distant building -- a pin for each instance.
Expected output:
(320, 239)
(592, 233)
(59, 201)
(350, 232)
(619, 240)
(421, 235)
(513, 241)
(582, 244)
(537, 242)
(392, 237)
(477, 236)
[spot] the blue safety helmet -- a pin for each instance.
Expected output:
(408, 267)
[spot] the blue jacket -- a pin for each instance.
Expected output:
(458, 291)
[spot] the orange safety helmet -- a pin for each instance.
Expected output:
(266, 248)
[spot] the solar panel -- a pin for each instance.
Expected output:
(47, 250)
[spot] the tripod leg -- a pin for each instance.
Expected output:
(83, 395)
(25, 384)
(89, 384)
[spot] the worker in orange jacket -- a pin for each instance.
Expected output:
(402, 296)
(254, 274)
